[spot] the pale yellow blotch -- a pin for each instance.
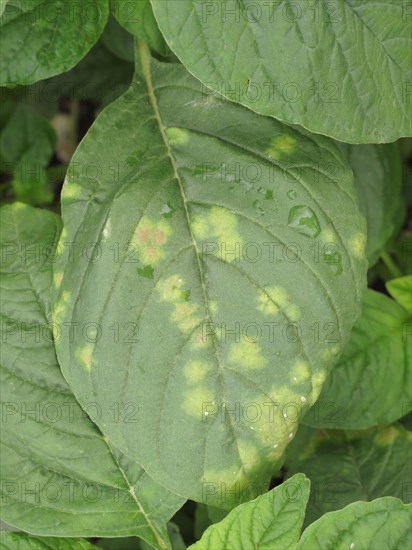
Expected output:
(318, 380)
(184, 312)
(386, 436)
(71, 191)
(85, 356)
(213, 306)
(195, 371)
(194, 400)
(57, 279)
(329, 236)
(249, 454)
(60, 308)
(19, 205)
(150, 237)
(331, 353)
(357, 245)
(234, 480)
(219, 225)
(177, 136)
(247, 355)
(300, 372)
(275, 298)
(281, 145)
(266, 305)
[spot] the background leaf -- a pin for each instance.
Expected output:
(26, 147)
(41, 38)
(22, 541)
(401, 290)
(173, 215)
(271, 58)
(60, 476)
(137, 17)
(378, 181)
(344, 467)
(383, 523)
(270, 522)
(369, 385)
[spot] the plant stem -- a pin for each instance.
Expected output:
(390, 264)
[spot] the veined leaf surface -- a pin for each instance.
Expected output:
(59, 475)
(41, 38)
(384, 523)
(22, 541)
(342, 69)
(185, 247)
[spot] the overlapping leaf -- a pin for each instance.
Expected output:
(378, 180)
(137, 17)
(201, 217)
(41, 38)
(60, 476)
(337, 68)
(384, 523)
(270, 522)
(344, 467)
(370, 384)
(22, 541)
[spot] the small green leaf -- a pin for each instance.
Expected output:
(384, 523)
(26, 146)
(344, 467)
(378, 181)
(41, 38)
(367, 387)
(22, 541)
(401, 290)
(190, 364)
(59, 475)
(136, 16)
(271, 57)
(270, 522)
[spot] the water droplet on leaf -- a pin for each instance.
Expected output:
(304, 220)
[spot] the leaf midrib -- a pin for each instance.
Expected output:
(144, 55)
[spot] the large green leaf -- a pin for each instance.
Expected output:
(370, 384)
(378, 181)
(41, 38)
(270, 522)
(384, 523)
(341, 69)
(137, 17)
(347, 466)
(60, 476)
(174, 227)
(22, 541)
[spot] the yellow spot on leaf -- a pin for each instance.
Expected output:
(60, 308)
(85, 356)
(219, 226)
(195, 371)
(247, 355)
(331, 353)
(275, 298)
(177, 136)
(318, 380)
(300, 373)
(71, 191)
(194, 400)
(386, 436)
(184, 312)
(150, 237)
(357, 245)
(57, 279)
(249, 454)
(281, 145)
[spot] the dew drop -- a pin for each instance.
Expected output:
(304, 220)
(291, 194)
